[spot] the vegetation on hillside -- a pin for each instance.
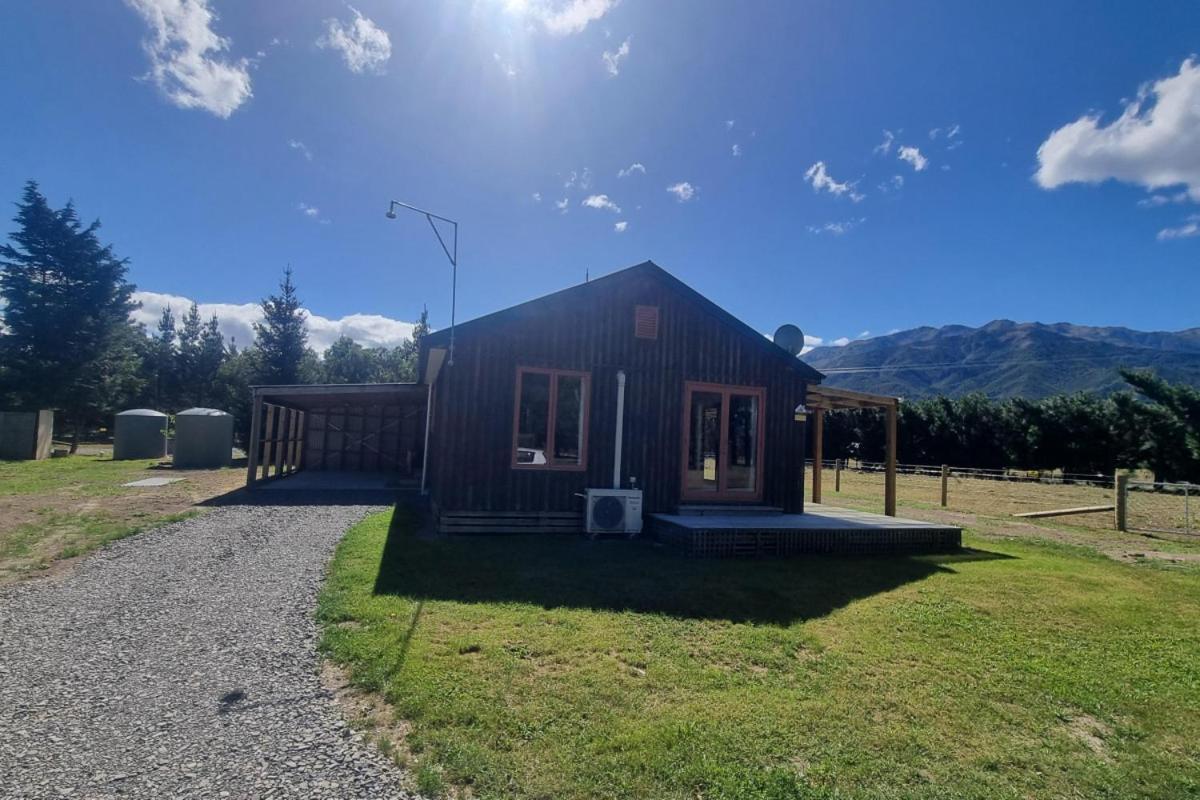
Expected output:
(1006, 359)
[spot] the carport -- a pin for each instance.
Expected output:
(337, 428)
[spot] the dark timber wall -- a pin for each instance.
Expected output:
(591, 328)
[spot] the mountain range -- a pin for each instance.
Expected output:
(1007, 359)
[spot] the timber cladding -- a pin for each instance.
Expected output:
(369, 438)
(595, 329)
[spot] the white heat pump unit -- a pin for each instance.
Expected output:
(614, 511)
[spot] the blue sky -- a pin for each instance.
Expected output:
(219, 141)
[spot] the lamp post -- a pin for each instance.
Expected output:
(451, 253)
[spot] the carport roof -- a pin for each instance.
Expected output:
(310, 396)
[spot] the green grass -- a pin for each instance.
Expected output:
(555, 667)
(92, 476)
(63, 507)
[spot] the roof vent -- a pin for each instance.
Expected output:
(645, 322)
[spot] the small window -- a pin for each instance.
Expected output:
(645, 322)
(550, 430)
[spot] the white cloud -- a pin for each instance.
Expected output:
(537, 197)
(841, 341)
(1163, 199)
(894, 184)
(237, 320)
(507, 68)
(612, 58)
(821, 180)
(949, 132)
(620, 227)
(582, 180)
(632, 168)
(563, 17)
(913, 156)
(364, 46)
(183, 50)
(563, 205)
(312, 212)
(885, 147)
(302, 148)
(736, 150)
(837, 228)
(683, 191)
(1187, 230)
(729, 124)
(863, 335)
(1155, 143)
(601, 201)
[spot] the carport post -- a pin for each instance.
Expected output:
(253, 445)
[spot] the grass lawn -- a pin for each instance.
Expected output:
(62, 507)
(556, 667)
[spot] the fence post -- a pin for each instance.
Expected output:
(1121, 489)
(837, 475)
(945, 482)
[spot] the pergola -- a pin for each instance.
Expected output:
(826, 398)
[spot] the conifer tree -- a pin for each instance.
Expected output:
(281, 337)
(67, 344)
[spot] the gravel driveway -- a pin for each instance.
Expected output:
(182, 663)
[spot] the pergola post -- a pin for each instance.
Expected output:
(826, 398)
(254, 445)
(889, 484)
(818, 452)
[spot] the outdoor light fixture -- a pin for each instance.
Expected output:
(801, 413)
(451, 254)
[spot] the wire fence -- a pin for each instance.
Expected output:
(1169, 508)
(1162, 507)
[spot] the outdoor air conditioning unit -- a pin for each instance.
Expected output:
(614, 511)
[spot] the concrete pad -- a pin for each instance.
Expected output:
(328, 481)
(153, 482)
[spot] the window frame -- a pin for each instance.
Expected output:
(552, 418)
(724, 493)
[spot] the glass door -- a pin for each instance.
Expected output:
(722, 442)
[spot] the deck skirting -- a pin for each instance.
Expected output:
(725, 542)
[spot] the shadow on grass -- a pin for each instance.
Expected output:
(564, 571)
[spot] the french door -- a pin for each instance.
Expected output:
(722, 442)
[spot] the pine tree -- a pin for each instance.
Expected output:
(212, 356)
(165, 377)
(188, 357)
(1172, 426)
(67, 313)
(281, 338)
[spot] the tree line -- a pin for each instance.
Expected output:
(67, 340)
(1155, 426)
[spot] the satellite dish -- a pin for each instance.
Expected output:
(790, 338)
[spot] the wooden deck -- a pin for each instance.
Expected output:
(820, 529)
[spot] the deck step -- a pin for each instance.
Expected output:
(706, 510)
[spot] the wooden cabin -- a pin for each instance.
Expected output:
(523, 415)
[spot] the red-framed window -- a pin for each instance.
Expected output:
(550, 419)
